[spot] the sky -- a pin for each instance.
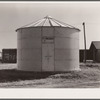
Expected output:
(17, 14)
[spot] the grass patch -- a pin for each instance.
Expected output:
(89, 72)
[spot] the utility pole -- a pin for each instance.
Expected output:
(84, 43)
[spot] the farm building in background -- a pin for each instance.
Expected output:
(48, 45)
(95, 51)
(88, 55)
(9, 55)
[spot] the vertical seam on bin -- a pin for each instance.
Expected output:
(21, 45)
(54, 49)
(41, 50)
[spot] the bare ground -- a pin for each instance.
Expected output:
(88, 77)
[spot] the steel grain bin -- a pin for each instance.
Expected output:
(48, 45)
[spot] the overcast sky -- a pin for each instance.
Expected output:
(15, 15)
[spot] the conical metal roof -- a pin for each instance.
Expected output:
(48, 21)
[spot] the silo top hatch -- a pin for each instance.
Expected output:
(48, 21)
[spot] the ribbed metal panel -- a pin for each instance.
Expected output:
(29, 49)
(48, 49)
(66, 49)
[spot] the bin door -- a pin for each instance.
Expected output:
(47, 57)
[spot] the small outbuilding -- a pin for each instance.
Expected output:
(95, 51)
(48, 45)
(9, 55)
(88, 55)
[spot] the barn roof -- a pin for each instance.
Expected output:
(96, 44)
(48, 21)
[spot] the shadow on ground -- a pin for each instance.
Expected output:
(88, 72)
(10, 75)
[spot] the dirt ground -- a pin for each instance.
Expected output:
(88, 77)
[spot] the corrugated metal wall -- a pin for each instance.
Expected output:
(48, 49)
(29, 49)
(66, 49)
